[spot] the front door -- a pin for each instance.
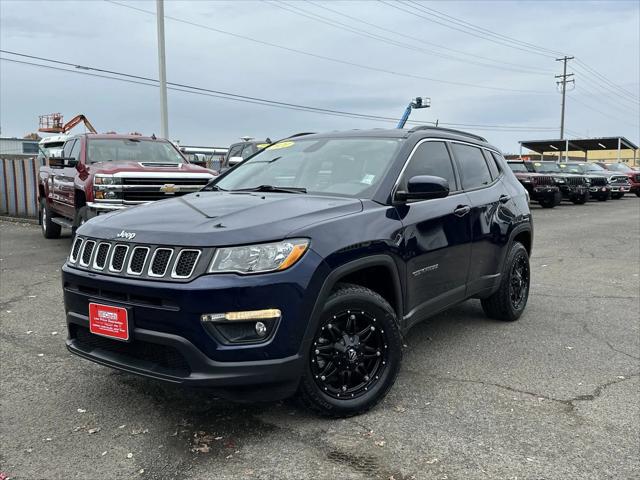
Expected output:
(63, 181)
(437, 236)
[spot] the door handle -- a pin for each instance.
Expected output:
(504, 198)
(462, 210)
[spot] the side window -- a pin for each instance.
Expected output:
(235, 151)
(494, 168)
(248, 150)
(66, 152)
(431, 158)
(473, 167)
(75, 150)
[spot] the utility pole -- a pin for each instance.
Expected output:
(164, 115)
(563, 88)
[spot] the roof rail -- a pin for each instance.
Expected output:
(451, 130)
(300, 134)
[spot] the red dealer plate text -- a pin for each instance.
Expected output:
(109, 321)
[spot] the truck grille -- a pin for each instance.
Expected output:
(574, 181)
(598, 181)
(148, 189)
(140, 261)
(544, 180)
(619, 179)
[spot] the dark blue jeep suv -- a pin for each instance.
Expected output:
(301, 268)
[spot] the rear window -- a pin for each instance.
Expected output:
(474, 170)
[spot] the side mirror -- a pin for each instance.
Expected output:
(235, 160)
(61, 162)
(424, 187)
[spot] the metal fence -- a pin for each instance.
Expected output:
(19, 186)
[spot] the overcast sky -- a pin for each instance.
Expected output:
(603, 35)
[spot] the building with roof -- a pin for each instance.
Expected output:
(603, 149)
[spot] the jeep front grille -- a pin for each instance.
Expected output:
(185, 263)
(544, 180)
(87, 251)
(137, 259)
(574, 181)
(152, 262)
(75, 250)
(117, 258)
(598, 181)
(101, 256)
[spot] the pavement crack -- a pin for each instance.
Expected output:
(567, 402)
(585, 327)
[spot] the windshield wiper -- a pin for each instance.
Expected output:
(212, 188)
(272, 188)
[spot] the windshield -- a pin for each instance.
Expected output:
(351, 167)
(518, 167)
(572, 168)
(619, 167)
(51, 149)
(134, 150)
(594, 167)
(546, 167)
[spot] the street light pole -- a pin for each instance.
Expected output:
(164, 115)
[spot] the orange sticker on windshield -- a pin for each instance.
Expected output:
(280, 145)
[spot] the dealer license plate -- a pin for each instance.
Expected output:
(109, 321)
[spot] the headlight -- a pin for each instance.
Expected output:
(267, 257)
(106, 180)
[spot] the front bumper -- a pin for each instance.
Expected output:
(97, 208)
(600, 190)
(169, 342)
(620, 188)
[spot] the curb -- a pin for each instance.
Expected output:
(31, 221)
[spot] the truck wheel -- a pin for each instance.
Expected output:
(355, 355)
(548, 203)
(509, 301)
(581, 199)
(638, 193)
(617, 196)
(81, 217)
(603, 198)
(49, 229)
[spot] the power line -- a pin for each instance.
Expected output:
(606, 80)
(482, 30)
(601, 85)
(135, 79)
(410, 37)
(601, 112)
(422, 13)
(390, 41)
(332, 59)
(613, 101)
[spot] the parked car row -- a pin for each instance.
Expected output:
(548, 183)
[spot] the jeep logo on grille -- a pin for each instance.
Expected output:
(127, 235)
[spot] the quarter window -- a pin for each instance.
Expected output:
(431, 158)
(474, 170)
(493, 165)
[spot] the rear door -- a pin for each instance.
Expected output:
(489, 216)
(436, 235)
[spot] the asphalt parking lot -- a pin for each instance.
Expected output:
(552, 396)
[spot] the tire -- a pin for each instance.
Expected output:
(548, 203)
(366, 380)
(617, 196)
(49, 229)
(603, 198)
(581, 200)
(81, 217)
(638, 193)
(501, 305)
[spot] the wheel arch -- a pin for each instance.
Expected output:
(355, 272)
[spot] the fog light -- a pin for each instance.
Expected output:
(261, 329)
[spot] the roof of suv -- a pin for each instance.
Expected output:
(423, 131)
(118, 136)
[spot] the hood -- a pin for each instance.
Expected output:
(220, 218)
(118, 166)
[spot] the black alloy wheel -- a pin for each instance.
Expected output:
(349, 354)
(354, 355)
(509, 301)
(519, 281)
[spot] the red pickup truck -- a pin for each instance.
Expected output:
(102, 173)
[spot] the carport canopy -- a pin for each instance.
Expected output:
(580, 144)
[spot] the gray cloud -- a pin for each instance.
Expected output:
(603, 34)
